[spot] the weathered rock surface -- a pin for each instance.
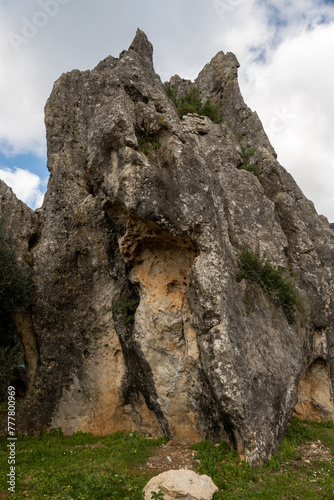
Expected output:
(182, 484)
(315, 395)
(19, 218)
(139, 322)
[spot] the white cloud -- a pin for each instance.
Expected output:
(26, 185)
(25, 83)
(293, 97)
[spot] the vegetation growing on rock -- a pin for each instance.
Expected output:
(16, 294)
(247, 155)
(126, 308)
(147, 142)
(274, 281)
(191, 102)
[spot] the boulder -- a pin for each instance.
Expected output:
(181, 484)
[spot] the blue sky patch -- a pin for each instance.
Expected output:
(31, 162)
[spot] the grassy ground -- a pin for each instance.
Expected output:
(303, 468)
(114, 467)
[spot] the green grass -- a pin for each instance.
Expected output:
(286, 475)
(80, 466)
(83, 466)
(147, 141)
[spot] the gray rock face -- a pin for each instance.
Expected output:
(19, 219)
(22, 223)
(139, 320)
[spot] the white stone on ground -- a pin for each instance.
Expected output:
(181, 484)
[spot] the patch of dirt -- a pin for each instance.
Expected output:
(170, 456)
(309, 454)
(314, 451)
(95, 445)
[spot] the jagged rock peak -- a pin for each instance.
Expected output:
(140, 321)
(143, 47)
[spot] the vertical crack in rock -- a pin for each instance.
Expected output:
(216, 423)
(139, 377)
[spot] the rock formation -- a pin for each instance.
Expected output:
(139, 322)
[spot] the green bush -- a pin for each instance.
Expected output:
(253, 168)
(275, 282)
(16, 287)
(211, 111)
(184, 109)
(190, 98)
(16, 294)
(126, 308)
(191, 102)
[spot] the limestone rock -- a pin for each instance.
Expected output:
(182, 484)
(22, 222)
(139, 322)
(315, 395)
(19, 219)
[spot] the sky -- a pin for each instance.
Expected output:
(286, 74)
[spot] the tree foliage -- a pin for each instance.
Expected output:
(16, 294)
